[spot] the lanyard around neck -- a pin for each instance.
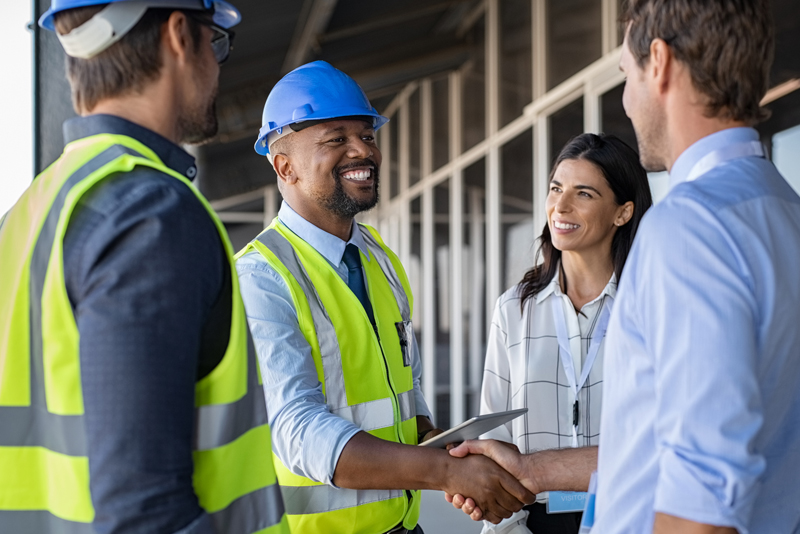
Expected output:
(566, 354)
(726, 153)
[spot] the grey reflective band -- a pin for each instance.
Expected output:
(32, 426)
(370, 415)
(407, 404)
(301, 500)
(252, 512)
(219, 424)
(335, 394)
(390, 273)
(14, 521)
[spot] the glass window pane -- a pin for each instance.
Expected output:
(781, 132)
(474, 279)
(786, 155)
(441, 244)
(517, 245)
(574, 37)
(786, 14)
(515, 58)
(616, 122)
(440, 89)
(414, 266)
(473, 100)
(394, 149)
(565, 124)
(415, 138)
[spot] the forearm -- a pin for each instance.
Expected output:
(363, 465)
(667, 524)
(562, 469)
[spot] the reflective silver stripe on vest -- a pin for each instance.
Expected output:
(219, 424)
(407, 404)
(301, 500)
(370, 415)
(39, 521)
(249, 513)
(34, 426)
(388, 270)
(336, 396)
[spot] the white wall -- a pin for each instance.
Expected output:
(16, 138)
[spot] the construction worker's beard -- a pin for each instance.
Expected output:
(345, 206)
(200, 124)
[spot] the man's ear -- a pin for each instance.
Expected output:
(176, 37)
(660, 64)
(284, 169)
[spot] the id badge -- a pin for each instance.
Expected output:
(405, 331)
(562, 502)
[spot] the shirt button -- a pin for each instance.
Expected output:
(191, 172)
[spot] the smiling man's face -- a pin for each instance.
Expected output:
(337, 165)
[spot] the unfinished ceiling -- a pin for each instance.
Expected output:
(383, 45)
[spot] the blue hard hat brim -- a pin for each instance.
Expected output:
(225, 15)
(379, 119)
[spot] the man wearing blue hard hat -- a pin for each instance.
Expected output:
(330, 308)
(129, 389)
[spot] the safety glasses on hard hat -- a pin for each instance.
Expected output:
(221, 41)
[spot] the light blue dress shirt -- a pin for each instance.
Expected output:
(307, 438)
(701, 401)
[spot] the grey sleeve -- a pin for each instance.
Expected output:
(143, 265)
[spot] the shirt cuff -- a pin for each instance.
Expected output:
(421, 406)
(339, 446)
(697, 493)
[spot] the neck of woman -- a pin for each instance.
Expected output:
(586, 273)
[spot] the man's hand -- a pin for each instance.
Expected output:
(362, 465)
(494, 492)
(506, 455)
(549, 470)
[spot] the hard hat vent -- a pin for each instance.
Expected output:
(302, 112)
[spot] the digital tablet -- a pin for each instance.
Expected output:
(472, 428)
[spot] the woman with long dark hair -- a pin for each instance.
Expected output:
(545, 349)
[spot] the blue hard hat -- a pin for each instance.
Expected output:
(313, 92)
(225, 15)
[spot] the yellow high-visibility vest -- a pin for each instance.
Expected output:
(44, 470)
(365, 374)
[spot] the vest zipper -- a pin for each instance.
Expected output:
(395, 406)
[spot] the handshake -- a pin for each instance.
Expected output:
(498, 480)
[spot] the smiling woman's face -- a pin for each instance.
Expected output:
(582, 213)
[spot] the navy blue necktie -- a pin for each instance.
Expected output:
(355, 278)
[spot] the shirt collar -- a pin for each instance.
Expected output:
(687, 160)
(170, 154)
(330, 246)
(554, 288)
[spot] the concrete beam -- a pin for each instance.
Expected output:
(311, 23)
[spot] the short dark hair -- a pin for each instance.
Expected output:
(728, 46)
(627, 179)
(124, 67)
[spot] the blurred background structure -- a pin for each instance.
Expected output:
(482, 94)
